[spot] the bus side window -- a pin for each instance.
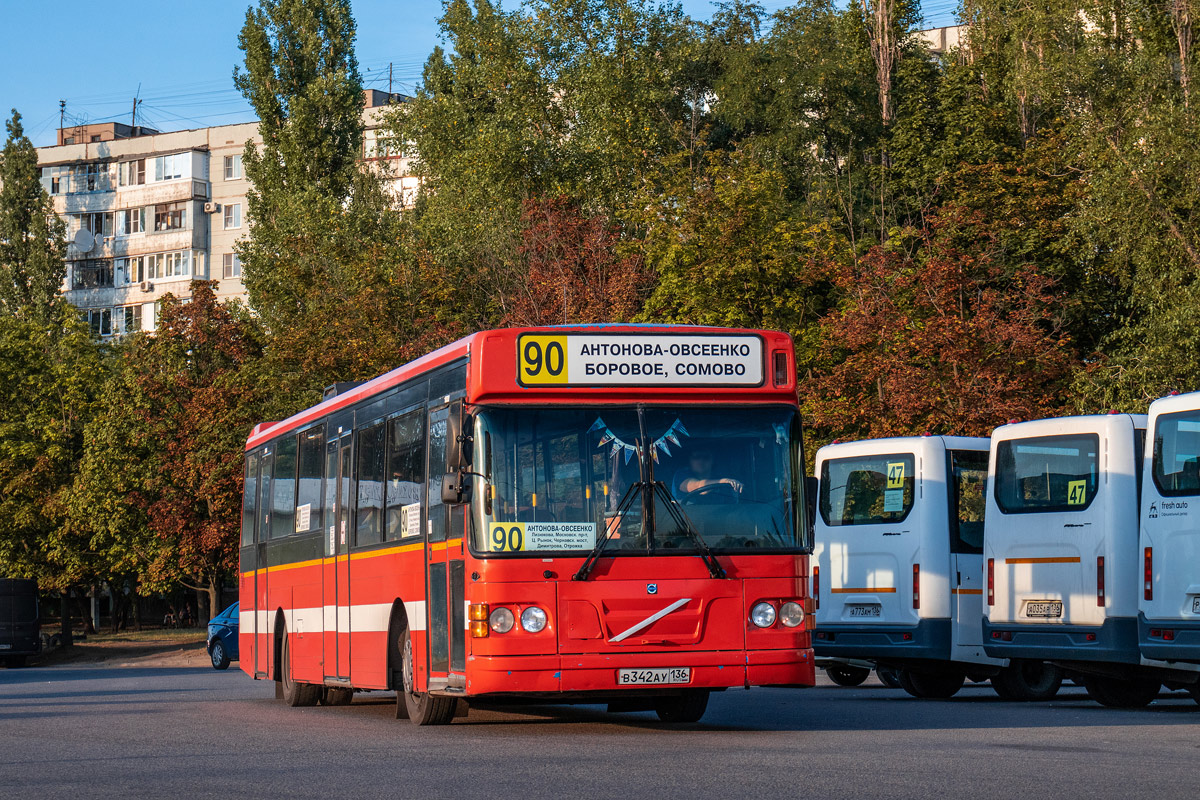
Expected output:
(436, 468)
(284, 492)
(250, 499)
(261, 526)
(331, 488)
(968, 479)
(405, 473)
(308, 484)
(371, 452)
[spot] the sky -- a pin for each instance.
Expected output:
(178, 57)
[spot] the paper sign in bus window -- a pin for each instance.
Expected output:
(893, 500)
(895, 475)
(1077, 493)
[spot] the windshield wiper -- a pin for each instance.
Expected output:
(610, 526)
(675, 508)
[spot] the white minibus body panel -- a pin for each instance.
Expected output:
(1060, 543)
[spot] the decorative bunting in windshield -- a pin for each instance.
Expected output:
(619, 445)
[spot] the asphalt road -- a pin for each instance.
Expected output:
(79, 732)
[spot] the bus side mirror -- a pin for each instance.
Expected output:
(459, 438)
(810, 500)
(456, 488)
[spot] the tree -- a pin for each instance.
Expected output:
(32, 237)
(945, 342)
(321, 263)
(50, 373)
(575, 271)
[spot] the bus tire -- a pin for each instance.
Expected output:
(847, 674)
(683, 708)
(1024, 680)
(295, 693)
(336, 696)
(1117, 693)
(423, 708)
(931, 685)
(889, 677)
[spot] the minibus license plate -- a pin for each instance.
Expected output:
(646, 677)
(864, 610)
(1047, 608)
(1196, 605)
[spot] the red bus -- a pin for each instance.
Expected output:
(602, 514)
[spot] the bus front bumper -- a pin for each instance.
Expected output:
(929, 640)
(598, 673)
(1184, 644)
(1113, 642)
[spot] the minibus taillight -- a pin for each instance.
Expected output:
(1149, 585)
(916, 585)
(781, 371)
(991, 580)
(1100, 581)
(816, 587)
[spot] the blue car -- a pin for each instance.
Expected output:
(223, 637)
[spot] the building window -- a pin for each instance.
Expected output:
(168, 168)
(130, 270)
(98, 224)
(90, 178)
(170, 216)
(168, 265)
(231, 266)
(132, 173)
(69, 140)
(99, 320)
(129, 318)
(133, 220)
(94, 273)
(233, 167)
(233, 216)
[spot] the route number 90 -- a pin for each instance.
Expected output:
(507, 537)
(542, 360)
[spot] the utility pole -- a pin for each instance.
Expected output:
(62, 112)
(389, 77)
(133, 117)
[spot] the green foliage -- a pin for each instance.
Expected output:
(32, 237)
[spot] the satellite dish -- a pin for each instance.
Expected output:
(84, 241)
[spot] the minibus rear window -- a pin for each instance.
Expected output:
(968, 474)
(1177, 454)
(1047, 473)
(867, 490)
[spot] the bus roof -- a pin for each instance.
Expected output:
(492, 375)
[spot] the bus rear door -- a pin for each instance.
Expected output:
(967, 474)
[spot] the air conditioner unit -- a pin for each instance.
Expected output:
(211, 207)
(147, 286)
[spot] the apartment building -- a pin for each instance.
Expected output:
(147, 211)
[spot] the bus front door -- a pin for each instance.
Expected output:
(445, 569)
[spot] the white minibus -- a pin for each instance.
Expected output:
(1060, 543)
(1169, 597)
(897, 576)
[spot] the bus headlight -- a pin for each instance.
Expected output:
(533, 619)
(791, 614)
(502, 620)
(763, 615)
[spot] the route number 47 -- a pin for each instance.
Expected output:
(1076, 493)
(895, 475)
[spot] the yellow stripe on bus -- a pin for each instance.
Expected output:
(851, 589)
(1044, 560)
(404, 548)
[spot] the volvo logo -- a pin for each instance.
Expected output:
(651, 588)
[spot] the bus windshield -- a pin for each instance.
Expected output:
(558, 480)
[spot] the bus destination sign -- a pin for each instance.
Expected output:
(569, 359)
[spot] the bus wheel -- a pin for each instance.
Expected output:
(1116, 693)
(423, 708)
(336, 696)
(889, 677)
(687, 707)
(1028, 680)
(847, 675)
(931, 686)
(296, 693)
